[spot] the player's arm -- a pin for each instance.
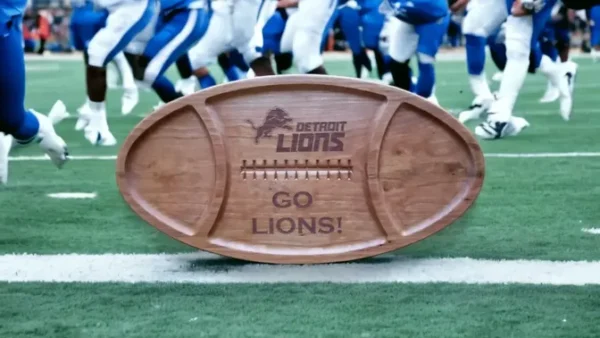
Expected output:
(526, 7)
(287, 3)
(458, 5)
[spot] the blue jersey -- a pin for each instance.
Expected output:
(419, 11)
(168, 6)
(11, 8)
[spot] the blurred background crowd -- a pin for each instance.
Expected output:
(46, 29)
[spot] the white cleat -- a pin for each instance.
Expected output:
(186, 86)
(566, 89)
(595, 55)
(84, 117)
(250, 74)
(387, 78)
(497, 77)
(552, 94)
(158, 105)
(479, 106)
(97, 132)
(58, 112)
(52, 144)
(493, 130)
(5, 145)
(129, 100)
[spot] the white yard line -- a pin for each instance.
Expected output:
(490, 155)
(592, 231)
(188, 268)
(73, 195)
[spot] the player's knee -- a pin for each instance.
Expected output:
(96, 55)
(425, 58)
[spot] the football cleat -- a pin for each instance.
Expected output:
(129, 100)
(493, 130)
(97, 132)
(5, 145)
(58, 112)
(186, 86)
(497, 77)
(566, 88)
(552, 94)
(479, 107)
(84, 117)
(52, 144)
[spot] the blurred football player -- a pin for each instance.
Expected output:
(24, 126)
(86, 21)
(231, 28)
(303, 34)
(423, 24)
(523, 28)
(179, 25)
(593, 15)
(362, 24)
(126, 18)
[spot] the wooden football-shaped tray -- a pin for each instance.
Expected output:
(300, 169)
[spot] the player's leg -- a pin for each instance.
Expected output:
(312, 18)
(403, 45)
(594, 20)
(373, 23)
(26, 126)
(350, 23)
(173, 39)
(215, 41)
(122, 25)
(547, 46)
(483, 18)
(431, 36)
(253, 52)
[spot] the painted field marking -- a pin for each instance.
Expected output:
(73, 195)
(490, 155)
(593, 231)
(189, 268)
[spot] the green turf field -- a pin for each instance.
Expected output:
(535, 226)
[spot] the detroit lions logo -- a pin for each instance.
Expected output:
(276, 118)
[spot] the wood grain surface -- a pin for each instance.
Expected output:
(300, 169)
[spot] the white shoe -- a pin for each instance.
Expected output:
(58, 112)
(52, 144)
(552, 94)
(97, 132)
(5, 145)
(84, 117)
(250, 74)
(493, 130)
(387, 78)
(478, 107)
(497, 77)
(186, 86)
(129, 100)
(566, 88)
(158, 105)
(595, 55)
